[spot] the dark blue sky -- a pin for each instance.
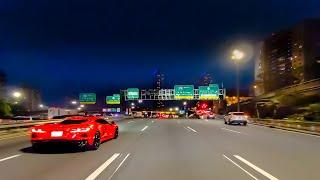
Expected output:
(64, 47)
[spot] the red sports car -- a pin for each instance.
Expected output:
(85, 132)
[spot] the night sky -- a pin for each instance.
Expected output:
(63, 47)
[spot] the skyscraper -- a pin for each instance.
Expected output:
(159, 79)
(291, 56)
(205, 80)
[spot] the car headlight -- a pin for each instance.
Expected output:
(77, 130)
(34, 130)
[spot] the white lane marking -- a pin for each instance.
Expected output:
(231, 130)
(10, 157)
(144, 128)
(186, 129)
(98, 171)
(119, 166)
(269, 176)
(152, 121)
(192, 129)
(206, 120)
(130, 121)
(240, 167)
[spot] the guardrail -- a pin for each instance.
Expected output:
(299, 126)
(15, 124)
(26, 124)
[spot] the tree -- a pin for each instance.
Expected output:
(5, 109)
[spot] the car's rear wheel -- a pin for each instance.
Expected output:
(96, 142)
(244, 123)
(116, 133)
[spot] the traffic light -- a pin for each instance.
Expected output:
(204, 106)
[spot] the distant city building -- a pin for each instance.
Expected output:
(159, 79)
(291, 56)
(3, 81)
(257, 87)
(205, 80)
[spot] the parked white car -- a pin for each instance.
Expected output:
(236, 118)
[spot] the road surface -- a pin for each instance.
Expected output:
(177, 149)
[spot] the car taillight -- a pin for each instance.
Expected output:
(80, 130)
(34, 130)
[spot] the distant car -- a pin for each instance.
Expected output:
(211, 116)
(138, 115)
(236, 118)
(84, 131)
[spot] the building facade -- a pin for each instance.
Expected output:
(291, 56)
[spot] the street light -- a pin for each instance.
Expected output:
(16, 94)
(41, 105)
(132, 104)
(171, 109)
(177, 109)
(237, 56)
(184, 103)
(73, 102)
(140, 101)
(82, 106)
(79, 108)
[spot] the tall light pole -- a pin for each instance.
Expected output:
(185, 108)
(237, 56)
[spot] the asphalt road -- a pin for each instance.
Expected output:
(177, 149)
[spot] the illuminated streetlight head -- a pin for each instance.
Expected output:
(41, 106)
(16, 94)
(132, 104)
(185, 103)
(170, 109)
(73, 102)
(82, 106)
(79, 108)
(237, 54)
(177, 109)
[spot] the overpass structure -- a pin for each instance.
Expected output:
(305, 88)
(169, 94)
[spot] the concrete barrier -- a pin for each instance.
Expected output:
(298, 126)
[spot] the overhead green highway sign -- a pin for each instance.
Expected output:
(114, 99)
(184, 92)
(210, 92)
(132, 93)
(87, 98)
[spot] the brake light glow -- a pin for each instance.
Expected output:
(80, 130)
(37, 130)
